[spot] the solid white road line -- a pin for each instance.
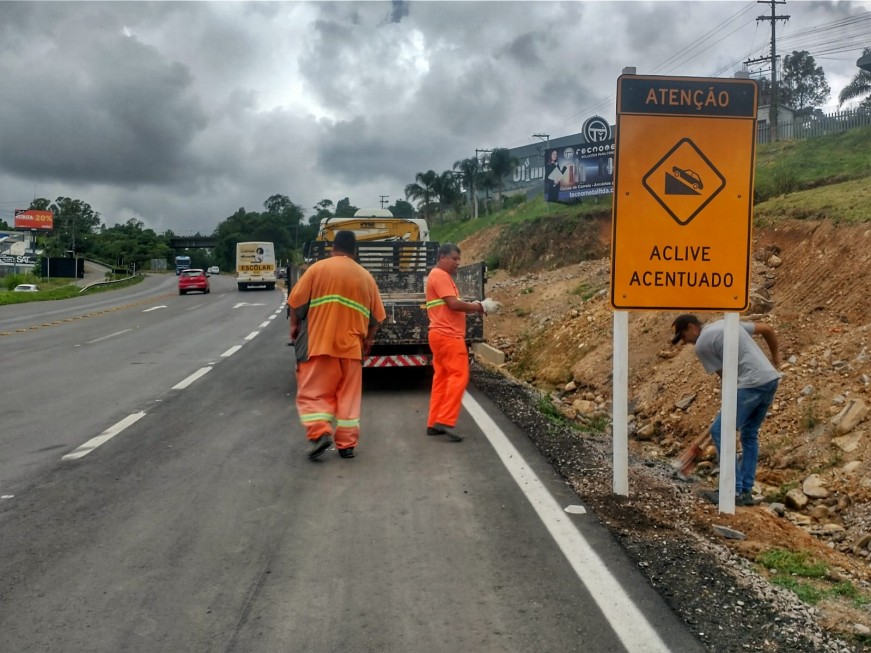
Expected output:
(626, 620)
(104, 437)
(181, 385)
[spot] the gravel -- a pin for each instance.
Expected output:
(716, 593)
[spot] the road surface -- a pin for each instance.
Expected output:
(155, 495)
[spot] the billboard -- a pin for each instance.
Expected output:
(34, 220)
(581, 170)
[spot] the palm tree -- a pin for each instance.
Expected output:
(468, 173)
(446, 191)
(423, 190)
(501, 165)
(859, 86)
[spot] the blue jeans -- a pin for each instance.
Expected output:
(752, 407)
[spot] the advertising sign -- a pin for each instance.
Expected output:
(583, 170)
(33, 219)
(683, 193)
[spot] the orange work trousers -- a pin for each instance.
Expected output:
(450, 361)
(330, 388)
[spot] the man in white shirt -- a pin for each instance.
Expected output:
(757, 384)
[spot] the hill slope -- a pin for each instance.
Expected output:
(810, 281)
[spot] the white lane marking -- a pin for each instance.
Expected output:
(626, 620)
(111, 335)
(272, 317)
(181, 385)
(252, 335)
(153, 308)
(241, 304)
(232, 350)
(263, 325)
(104, 437)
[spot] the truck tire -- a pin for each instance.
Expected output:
(242, 286)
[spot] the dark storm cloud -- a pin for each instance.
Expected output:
(113, 110)
(399, 10)
(149, 109)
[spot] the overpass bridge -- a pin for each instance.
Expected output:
(194, 241)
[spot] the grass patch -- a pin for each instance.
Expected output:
(53, 290)
(806, 577)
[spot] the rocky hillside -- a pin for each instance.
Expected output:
(811, 283)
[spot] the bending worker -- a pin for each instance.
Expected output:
(447, 340)
(757, 383)
(336, 310)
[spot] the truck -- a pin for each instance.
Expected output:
(182, 263)
(255, 265)
(399, 254)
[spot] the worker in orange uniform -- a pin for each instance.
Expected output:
(335, 311)
(447, 340)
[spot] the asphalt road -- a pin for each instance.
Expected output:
(155, 496)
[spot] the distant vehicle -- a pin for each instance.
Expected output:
(691, 177)
(255, 265)
(214, 270)
(193, 279)
(182, 263)
(26, 287)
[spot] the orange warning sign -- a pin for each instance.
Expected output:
(683, 191)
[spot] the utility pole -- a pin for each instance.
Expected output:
(546, 139)
(384, 200)
(772, 58)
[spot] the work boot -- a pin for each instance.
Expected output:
(434, 430)
(453, 436)
(347, 453)
(317, 447)
(746, 499)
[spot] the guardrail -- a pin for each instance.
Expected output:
(107, 283)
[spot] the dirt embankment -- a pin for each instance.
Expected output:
(810, 281)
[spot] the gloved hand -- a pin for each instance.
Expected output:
(491, 306)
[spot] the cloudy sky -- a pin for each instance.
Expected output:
(177, 114)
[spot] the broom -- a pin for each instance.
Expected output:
(685, 462)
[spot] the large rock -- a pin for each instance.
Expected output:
(796, 499)
(814, 488)
(848, 443)
(851, 415)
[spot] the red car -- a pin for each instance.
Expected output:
(192, 279)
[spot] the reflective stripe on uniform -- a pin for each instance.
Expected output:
(338, 299)
(316, 417)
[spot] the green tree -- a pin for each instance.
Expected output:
(502, 164)
(803, 86)
(288, 215)
(344, 209)
(469, 169)
(858, 87)
(423, 191)
(446, 187)
(402, 209)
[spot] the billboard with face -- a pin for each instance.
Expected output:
(581, 170)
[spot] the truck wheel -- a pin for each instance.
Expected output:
(270, 286)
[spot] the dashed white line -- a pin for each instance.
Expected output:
(153, 308)
(232, 350)
(111, 335)
(626, 620)
(263, 325)
(181, 385)
(104, 437)
(252, 335)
